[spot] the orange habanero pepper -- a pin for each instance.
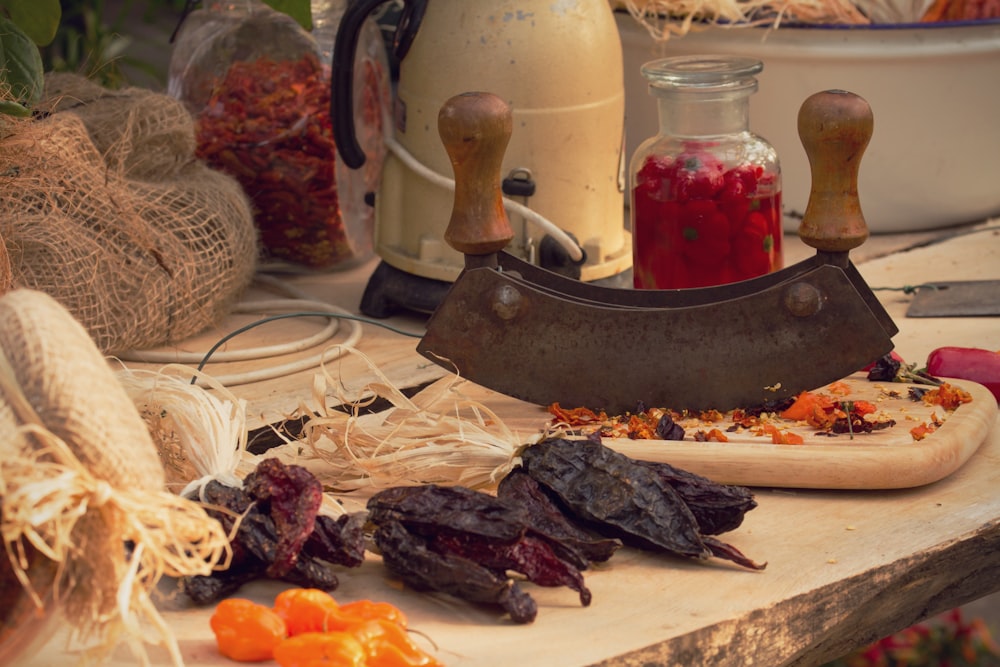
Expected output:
(367, 610)
(321, 649)
(246, 631)
(389, 645)
(307, 610)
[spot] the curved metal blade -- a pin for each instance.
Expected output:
(737, 346)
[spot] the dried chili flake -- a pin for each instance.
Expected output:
(947, 396)
(779, 436)
(744, 419)
(713, 435)
(816, 409)
(711, 416)
(853, 418)
(839, 388)
(576, 416)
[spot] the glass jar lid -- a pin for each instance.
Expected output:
(703, 72)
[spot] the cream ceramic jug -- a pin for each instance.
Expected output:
(558, 63)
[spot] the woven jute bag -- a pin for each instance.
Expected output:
(104, 206)
(82, 483)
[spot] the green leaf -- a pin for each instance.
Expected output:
(10, 108)
(21, 74)
(39, 19)
(300, 10)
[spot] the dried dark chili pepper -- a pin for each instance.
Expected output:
(725, 551)
(531, 556)
(460, 523)
(340, 541)
(668, 429)
(718, 508)
(408, 556)
(571, 541)
(457, 509)
(280, 534)
(292, 497)
(885, 369)
(614, 496)
(621, 497)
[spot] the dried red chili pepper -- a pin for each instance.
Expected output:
(408, 556)
(463, 542)
(279, 533)
(292, 496)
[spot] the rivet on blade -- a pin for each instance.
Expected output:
(506, 302)
(803, 299)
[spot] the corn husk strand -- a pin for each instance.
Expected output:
(6, 274)
(51, 501)
(81, 479)
(664, 19)
(201, 435)
(438, 436)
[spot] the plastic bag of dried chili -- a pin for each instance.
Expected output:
(258, 85)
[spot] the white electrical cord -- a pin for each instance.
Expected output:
(248, 354)
(565, 240)
(298, 302)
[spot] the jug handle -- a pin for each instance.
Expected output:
(342, 74)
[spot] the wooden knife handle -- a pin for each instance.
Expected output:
(475, 129)
(835, 127)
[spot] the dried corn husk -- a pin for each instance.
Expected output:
(200, 435)
(81, 478)
(438, 436)
(664, 19)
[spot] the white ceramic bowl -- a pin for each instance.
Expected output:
(934, 89)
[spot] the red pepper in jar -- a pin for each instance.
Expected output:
(707, 228)
(706, 191)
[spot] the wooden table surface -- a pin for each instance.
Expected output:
(844, 567)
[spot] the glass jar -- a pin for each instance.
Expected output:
(258, 86)
(706, 192)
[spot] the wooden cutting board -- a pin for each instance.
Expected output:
(884, 459)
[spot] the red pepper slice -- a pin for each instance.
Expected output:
(967, 363)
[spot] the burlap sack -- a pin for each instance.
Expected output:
(80, 473)
(104, 207)
(73, 391)
(141, 134)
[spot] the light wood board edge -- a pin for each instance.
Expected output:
(840, 466)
